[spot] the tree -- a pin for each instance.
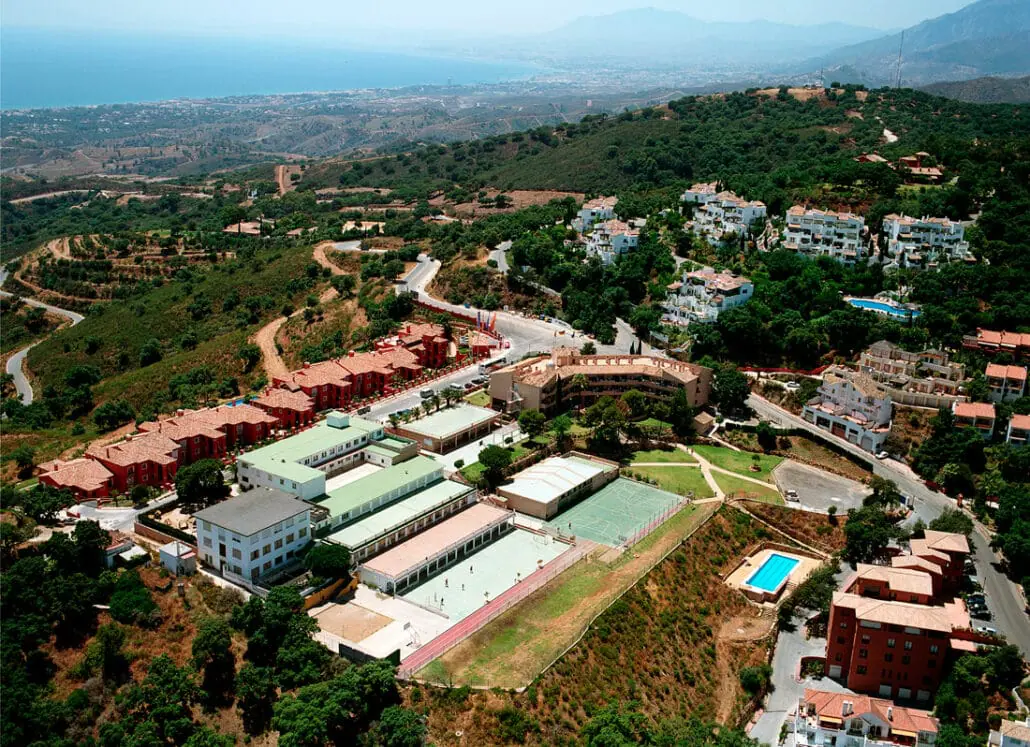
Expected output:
(25, 457)
(867, 533)
(885, 493)
(532, 422)
(213, 657)
(251, 355)
(614, 727)
(579, 384)
(149, 352)
(730, 391)
(495, 459)
(91, 543)
(255, 695)
(41, 503)
(328, 561)
(560, 427)
(201, 484)
(132, 602)
(588, 348)
(110, 415)
(344, 284)
(636, 402)
(953, 520)
(755, 679)
(766, 436)
(398, 727)
(607, 418)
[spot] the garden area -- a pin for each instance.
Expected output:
(683, 480)
(734, 487)
(740, 462)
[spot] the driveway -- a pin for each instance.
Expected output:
(818, 490)
(1006, 601)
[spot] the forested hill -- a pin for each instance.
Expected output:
(985, 90)
(777, 146)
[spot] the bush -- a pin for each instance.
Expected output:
(131, 602)
(755, 680)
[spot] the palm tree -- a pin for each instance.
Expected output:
(449, 395)
(434, 402)
(394, 419)
(579, 384)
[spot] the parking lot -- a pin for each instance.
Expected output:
(818, 490)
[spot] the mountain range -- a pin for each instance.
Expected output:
(984, 90)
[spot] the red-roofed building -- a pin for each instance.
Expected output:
(88, 480)
(1006, 383)
(947, 550)
(825, 718)
(990, 341)
(291, 409)
(979, 415)
(197, 438)
(1018, 433)
(140, 459)
(328, 384)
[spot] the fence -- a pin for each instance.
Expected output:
(471, 624)
(654, 524)
(164, 535)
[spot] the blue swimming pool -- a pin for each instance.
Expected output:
(884, 308)
(770, 576)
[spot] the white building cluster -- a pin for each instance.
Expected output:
(612, 238)
(825, 233)
(923, 243)
(722, 215)
(704, 294)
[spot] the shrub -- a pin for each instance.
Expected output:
(755, 680)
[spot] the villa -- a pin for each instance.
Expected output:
(1006, 383)
(824, 234)
(593, 211)
(611, 239)
(923, 242)
(826, 718)
(979, 415)
(703, 294)
(721, 215)
(852, 407)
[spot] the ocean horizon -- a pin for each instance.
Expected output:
(55, 70)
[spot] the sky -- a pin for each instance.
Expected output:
(340, 18)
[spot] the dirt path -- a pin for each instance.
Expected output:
(737, 632)
(264, 338)
(319, 255)
(282, 177)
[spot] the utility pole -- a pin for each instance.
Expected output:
(901, 48)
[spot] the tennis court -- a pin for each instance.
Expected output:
(615, 512)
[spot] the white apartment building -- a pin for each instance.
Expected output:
(825, 718)
(593, 211)
(824, 233)
(611, 238)
(926, 372)
(704, 294)
(720, 214)
(923, 242)
(253, 534)
(1006, 383)
(852, 407)
(1010, 734)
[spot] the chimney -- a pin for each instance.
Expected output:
(350, 353)
(128, 437)
(180, 412)
(890, 713)
(307, 364)
(845, 708)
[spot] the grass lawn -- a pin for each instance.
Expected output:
(473, 472)
(739, 461)
(511, 650)
(681, 480)
(654, 424)
(660, 455)
(480, 398)
(734, 486)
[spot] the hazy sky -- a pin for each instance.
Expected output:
(297, 18)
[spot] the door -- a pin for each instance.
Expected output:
(835, 671)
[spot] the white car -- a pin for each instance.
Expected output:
(791, 495)
(882, 455)
(792, 386)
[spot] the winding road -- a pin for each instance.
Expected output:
(15, 364)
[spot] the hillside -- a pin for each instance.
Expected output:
(986, 37)
(984, 90)
(773, 147)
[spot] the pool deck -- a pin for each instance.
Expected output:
(738, 578)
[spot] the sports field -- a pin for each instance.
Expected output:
(468, 585)
(615, 512)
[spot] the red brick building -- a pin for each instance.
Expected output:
(291, 409)
(991, 341)
(427, 342)
(140, 459)
(209, 433)
(892, 629)
(85, 478)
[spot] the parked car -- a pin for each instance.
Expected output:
(981, 614)
(792, 495)
(792, 386)
(426, 393)
(882, 455)
(985, 629)
(364, 410)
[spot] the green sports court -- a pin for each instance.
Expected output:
(615, 512)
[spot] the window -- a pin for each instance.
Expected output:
(890, 642)
(302, 533)
(865, 639)
(267, 565)
(207, 542)
(838, 657)
(861, 669)
(266, 549)
(843, 626)
(932, 664)
(906, 659)
(278, 544)
(908, 645)
(206, 525)
(840, 639)
(255, 554)
(888, 657)
(934, 649)
(863, 653)
(237, 554)
(289, 538)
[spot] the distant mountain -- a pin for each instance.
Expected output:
(984, 90)
(987, 37)
(669, 37)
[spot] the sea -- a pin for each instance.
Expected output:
(46, 69)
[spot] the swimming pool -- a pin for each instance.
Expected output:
(772, 573)
(882, 307)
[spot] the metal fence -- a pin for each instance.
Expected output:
(508, 599)
(654, 524)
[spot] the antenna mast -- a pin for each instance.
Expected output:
(901, 48)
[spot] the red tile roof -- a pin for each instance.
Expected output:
(85, 475)
(140, 447)
(1020, 422)
(1016, 373)
(286, 400)
(979, 410)
(827, 704)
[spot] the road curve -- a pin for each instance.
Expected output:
(15, 364)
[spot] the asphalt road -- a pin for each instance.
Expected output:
(817, 489)
(1004, 599)
(16, 362)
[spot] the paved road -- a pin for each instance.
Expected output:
(818, 490)
(500, 256)
(15, 363)
(1005, 600)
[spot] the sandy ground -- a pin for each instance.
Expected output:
(350, 621)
